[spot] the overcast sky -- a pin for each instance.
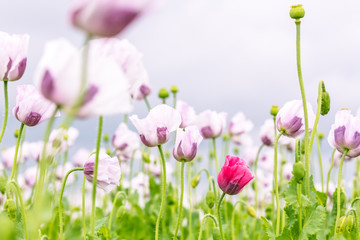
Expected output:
(225, 55)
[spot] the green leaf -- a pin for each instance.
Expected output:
(268, 229)
(291, 195)
(315, 217)
(321, 197)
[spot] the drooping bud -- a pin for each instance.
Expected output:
(210, 199)
(10, 207)
(195, 181)
(297, 12)
(174, 89)
(340, 225)
(325, 101)
(274, 110)
(298, 171)
(145, 157)
(163, 93)
(251, 211)
(349, 223)
(120, 212)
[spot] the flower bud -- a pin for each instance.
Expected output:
(210, 199)
(145, 157)
(340, 225)
(108, 151)
(325, 103)
(174, 89)
(349, 223)
(120, 212)
(216, 234)
(236, 150)
(10, 207)
(16, 133)
(274, 110)
(297, 12)
(320, 135)
(250, 210)
(106, 137)
(167, 154)
(298, 171)
(195, 181)
(163, 93)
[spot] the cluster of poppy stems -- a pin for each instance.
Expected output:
(104, 78)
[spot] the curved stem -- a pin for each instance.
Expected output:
(276, 184)
(300, 206)
(215, 155)
(98, 141)
(147, 103)
(203, 221)
(255, 172)
(320, 161)
(329, 172)
(163, 191)
(60, 198)
(6, 113)
(16, 151)
(181, 201)
(83, 207)
(19, 196)
(113, 208)
(303, 96)
(338, 189)
(210, 179)
(219, 216)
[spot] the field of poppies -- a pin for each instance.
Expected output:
(172, 173)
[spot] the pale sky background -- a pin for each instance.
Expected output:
(225, 55)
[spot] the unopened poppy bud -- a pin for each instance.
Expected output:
(10, 207)
(216, 234)
(236, 150)
(174, 89)
(145, 157)
(274, 110)
(251, 211)
(16, 133)
(226, 137)
(195, 181)
(320, 135)
(298, 171)
(163, 93)
(120, 213)
(349, 223)
(210, 199)
(167, 154)
(199, 158)
(325, 103)
(297, 12)
(108, 151)
(106, 137)
(340, 225)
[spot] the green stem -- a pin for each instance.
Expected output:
(147, 103)
(215, 155)
(219, 216)
(181, 201)
(300, 206)
(174, 100)
(60, 198)
(126, 118)
(338, 189)
(233, 218)
(302, 89)
(98, 141)
(320, 161)
(203, 222)
(276, 184)
(83, 207)
(131, 169)
(16, 151)
(255, 172)
(329, 172)
(6, 98)
(163, 191)
(190, 202)
(113, 208)
(210, 179)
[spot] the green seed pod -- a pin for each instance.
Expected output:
(325, 103)
(163, 93)
(10, 207)
(297, 12)
(349, 223)
(145, 157)
(216, 234)
(340, 225)
(251, 211)
(298, 171)
(106, 137)
(320, 135)
(167, 154)
(210, 199)
(120, 212)
(195, 181)
(174, 89)
(274, 110)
